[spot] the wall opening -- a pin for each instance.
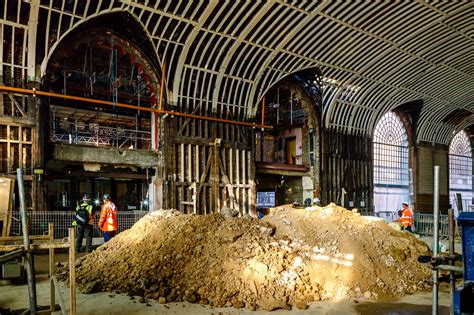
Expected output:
(287, 156)
(108, 58)
(391, 171)
(460, 172)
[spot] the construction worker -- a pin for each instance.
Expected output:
(108, 218)
(83, 221)
(406, 218)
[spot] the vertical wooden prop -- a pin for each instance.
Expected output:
(215, 178)
(72, 272)
(52, 268)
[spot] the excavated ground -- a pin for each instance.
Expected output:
(291, 258)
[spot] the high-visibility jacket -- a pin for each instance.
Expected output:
(108, 217)
(407, 217)
(89, 209)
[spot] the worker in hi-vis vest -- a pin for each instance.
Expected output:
(108, 218)
(406, 218)
(83, 221)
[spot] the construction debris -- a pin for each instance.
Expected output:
(291, 258)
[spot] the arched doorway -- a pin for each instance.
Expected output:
(287, 156)
(99, 148)
(391, 170)
(460, 172)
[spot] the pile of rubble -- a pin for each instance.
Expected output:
(290, 258)
(353, 256)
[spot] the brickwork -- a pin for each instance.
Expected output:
(427, 157)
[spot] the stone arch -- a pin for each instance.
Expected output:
(88, 20)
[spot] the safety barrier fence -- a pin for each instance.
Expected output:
(423, 222)
(38, 221)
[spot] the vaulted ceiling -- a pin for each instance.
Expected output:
(374, 55)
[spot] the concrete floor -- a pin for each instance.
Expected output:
(15, 297)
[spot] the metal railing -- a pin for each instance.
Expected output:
(423, 222)
(38, 221)
(95, 135)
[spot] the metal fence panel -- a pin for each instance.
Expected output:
(423, 222)
(62, 220)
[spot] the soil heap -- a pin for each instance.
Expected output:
(352, 255)
(293, 257)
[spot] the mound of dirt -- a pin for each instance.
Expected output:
(353, 256)
(243, 262)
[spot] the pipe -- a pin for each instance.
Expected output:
(451, 269)
(35, 92)
(26, 243)
(263, 113)
(435, 238)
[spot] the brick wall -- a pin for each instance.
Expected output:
(427, 157)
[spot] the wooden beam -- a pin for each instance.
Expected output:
(206, 141)
(11, 255)
(60, 296)
(9, 248)
(20, 238)
(17, 121)
(52, 269)
(96, 174)
(17, 105)
(72, 272)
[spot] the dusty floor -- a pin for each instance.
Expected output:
(15, 297)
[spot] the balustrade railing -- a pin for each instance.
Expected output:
(99, 136)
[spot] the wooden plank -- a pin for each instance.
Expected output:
(188, 120)
(243, 207)
(20, 148)
(206, 141)
(181, 199)
(60, 296)
(196, 163)
(94, 174)
(11, 255)
(7, 248)
(20, 238)
(72, 272)
(9, 166)
(17, 105)
(215, 179)
(231, 165)
(228, 186)
(250, 182)
(52, 270)
(190, 163)
(16, 121)
(181, 161)
(237, 163)
(204, 175)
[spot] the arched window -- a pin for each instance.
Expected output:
(391, 173)
(460, 170)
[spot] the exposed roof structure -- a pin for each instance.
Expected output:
(373, 55)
